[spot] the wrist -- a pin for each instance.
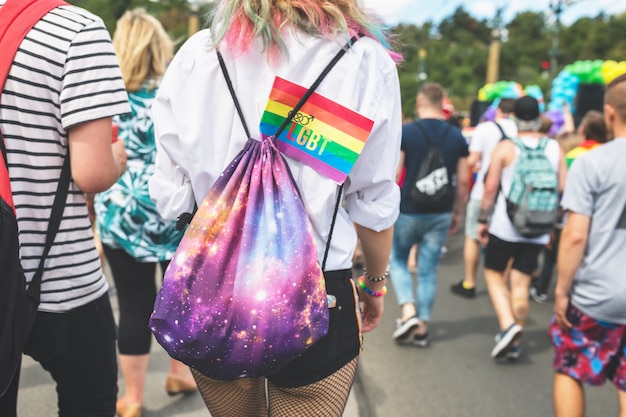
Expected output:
(378, 278)
(369, 291)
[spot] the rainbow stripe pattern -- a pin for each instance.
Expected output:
(324, 135)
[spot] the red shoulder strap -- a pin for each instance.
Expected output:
(17, 17)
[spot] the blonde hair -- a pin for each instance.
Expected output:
(143, 49)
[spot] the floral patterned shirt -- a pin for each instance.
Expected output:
(126, 216)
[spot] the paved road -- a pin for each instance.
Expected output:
(455, 377)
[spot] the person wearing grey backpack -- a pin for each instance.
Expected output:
(519, 166)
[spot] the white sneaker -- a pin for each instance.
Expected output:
(404, 329)
(538, 297)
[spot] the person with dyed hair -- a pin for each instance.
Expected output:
(199, 132)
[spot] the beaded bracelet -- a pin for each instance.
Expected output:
(369, 291)
(377, 279)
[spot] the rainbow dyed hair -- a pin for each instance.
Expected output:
(239, 22)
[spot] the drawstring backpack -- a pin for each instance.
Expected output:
(244, 293)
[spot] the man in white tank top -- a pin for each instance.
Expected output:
(503, 242)
(484, 140)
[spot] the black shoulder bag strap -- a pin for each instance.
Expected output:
(53, 226)
(28, 12)
(442, 139)
(504, 136)
(292, 113)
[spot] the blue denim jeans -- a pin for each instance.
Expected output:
(430, 232)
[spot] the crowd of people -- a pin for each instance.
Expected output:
(175, 132)
(587, 330)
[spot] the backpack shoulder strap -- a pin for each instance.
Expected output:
(424, 132)
(444, 135)
(442, 139)
(503, 135)
(316, 83)
(17, 17)
(304, 98)
(231, 89)
(518, 142)
(543, 142)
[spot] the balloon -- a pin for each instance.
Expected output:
(558, 120)
(500, 89)
(611, 70)
(565, 87)
(587, 72)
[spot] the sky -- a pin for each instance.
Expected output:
(419, 11)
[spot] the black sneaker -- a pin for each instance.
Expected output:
(405, 328)
(459, 289)
(421, 340)
(514, 353)
(505, 340)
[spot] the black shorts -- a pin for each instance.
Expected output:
(525, 255)
(340, 346)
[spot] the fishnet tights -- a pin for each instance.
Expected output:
(246, 397)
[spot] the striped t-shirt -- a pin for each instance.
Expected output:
(65, 73)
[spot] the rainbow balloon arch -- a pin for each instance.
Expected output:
(565, 87)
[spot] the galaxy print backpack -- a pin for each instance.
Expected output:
(244, 293)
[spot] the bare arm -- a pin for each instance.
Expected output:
(96, 163)
(462, 185)
(562, 170)
(569, 126)
(571, 250)
(376, 247)
(473, 158)
(492, 187)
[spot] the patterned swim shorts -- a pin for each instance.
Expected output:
(592, 351)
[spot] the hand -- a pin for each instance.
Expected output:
(120, 155)
(371, 310)
(550, 244)
(561, 302)
(483, 233)
(454, 225)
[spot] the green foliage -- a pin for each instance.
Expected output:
(173, 14)
(455, 51)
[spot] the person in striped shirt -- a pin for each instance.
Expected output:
(60, 95)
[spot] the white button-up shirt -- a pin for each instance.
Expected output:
(198, 130)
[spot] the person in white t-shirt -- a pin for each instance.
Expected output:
(484, 139)
(503, 242)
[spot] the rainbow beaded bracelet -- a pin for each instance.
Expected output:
(369, 291)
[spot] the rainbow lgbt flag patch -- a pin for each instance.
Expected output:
(324, 135)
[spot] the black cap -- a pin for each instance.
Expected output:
(526, 108)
